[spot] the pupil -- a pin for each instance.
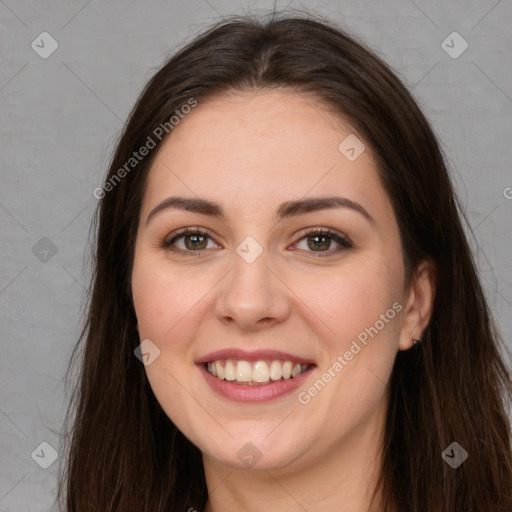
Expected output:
(194, 239)
(319, 245)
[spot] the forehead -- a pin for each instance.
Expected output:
(262, 146)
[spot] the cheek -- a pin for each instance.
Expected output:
(164, 305)
(350, 299)
(359, 308)
(163, 298)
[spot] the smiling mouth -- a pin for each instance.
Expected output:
(258, 373)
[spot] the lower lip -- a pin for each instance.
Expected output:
(265, 393)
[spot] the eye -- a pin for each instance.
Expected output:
(320, 240)
(194, 239)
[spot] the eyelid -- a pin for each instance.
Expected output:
(310, 231)
(337, 237)
(180, 233)
(341, 239)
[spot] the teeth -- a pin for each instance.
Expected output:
(260, 372)
(220, 369)
(243, 371)
(287, 370)
(229, 371)
(276, 371)
(297, 369)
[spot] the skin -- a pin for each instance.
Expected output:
(250, 152)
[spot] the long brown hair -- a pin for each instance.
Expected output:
(125, 454)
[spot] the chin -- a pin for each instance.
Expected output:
(262, 452)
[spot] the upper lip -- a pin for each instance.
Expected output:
(256, 355)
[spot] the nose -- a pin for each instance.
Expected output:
(253, 296)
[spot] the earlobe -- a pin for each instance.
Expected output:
(417, 343)
(419, 306)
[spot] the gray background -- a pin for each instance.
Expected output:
(60, 119)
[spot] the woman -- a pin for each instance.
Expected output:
(285, 313)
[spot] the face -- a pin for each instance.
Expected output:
(269, 287)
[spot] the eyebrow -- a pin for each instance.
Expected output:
(286, 209)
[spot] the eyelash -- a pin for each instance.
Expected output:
(342, 240)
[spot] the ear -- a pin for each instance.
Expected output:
(420, 301)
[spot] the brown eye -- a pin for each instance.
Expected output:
(194, 241)
(320, 242)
